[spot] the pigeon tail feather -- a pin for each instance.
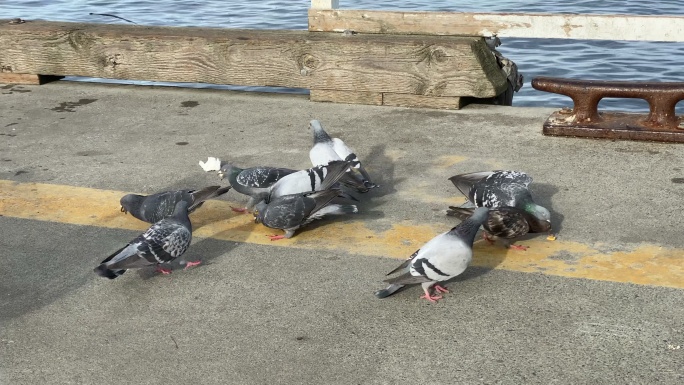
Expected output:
(199, 196)
(391, 289)
(103, 271)
(335, 170)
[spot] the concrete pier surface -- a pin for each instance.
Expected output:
(601, 304)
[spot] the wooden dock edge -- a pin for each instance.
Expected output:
(380, 69)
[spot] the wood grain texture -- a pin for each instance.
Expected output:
(606, 27)
(423, 65)
(351, 97)
(420, 101)
(12, 78)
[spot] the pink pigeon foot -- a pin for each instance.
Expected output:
(163, 270)
(487, 238)
(276, 237)
(440, 289)
(239, 210)
(190, 264)
(519, 247)
(431, 298)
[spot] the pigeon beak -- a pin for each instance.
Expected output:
(221, 174)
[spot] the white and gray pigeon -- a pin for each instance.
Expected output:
(163, 242)
(504, 188)
(255, 182)
(153, 208)
(440, 259)
(314, 179)
(327, 149)
(290, 212)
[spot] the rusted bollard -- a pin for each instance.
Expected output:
(584, 120)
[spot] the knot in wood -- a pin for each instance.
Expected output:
(437, 55)
(307, 63)
(79, 40)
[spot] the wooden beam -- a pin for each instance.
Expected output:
(558, 26)
(420, 101)
(325, 4)
(434, 66)
(350, 97)
(12, 78)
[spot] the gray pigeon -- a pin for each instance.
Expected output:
(440, 259)
(326, 149)
(163, 242)
(500, 189)
(290, 212)
(255, 181)
(154, 208)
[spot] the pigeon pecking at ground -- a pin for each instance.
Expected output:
(163, 242)
(255, 182)
(290, 212)
(503, 224)
(440, 259)
(500, 189)
(154, 208)
(326, 149)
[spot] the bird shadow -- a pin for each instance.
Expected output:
(382, 171)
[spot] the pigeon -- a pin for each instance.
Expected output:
(154, 208)
(326, 149)
(163, 242)
(255, 182)
(314, 179)
(290, 212)
(440, 259)
(500, 189)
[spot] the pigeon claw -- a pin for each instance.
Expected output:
(431, 298)
(440, 288)
(276, 237)
(190, 264)
(163, 270)
(519, 247)
(239, 210)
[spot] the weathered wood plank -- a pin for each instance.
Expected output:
(325, 4)
(425, 65)
(351, 97)
(560, 26)
(12, 78)
(421, 101)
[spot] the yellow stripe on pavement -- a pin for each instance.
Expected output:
(646, 265)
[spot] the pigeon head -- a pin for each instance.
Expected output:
(259, 210)
(227, 170)
(181, 208)
(131, 202)
(319, 133)
(542, 214)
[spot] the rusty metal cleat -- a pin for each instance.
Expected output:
(584, 119)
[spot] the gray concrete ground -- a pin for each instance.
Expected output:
(255, 314)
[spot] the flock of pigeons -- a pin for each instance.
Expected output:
(285, 199)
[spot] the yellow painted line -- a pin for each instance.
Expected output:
(647, 264)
